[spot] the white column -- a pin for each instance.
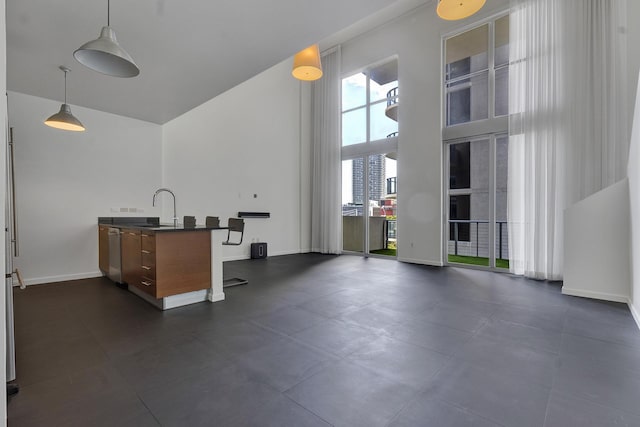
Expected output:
(216, 293)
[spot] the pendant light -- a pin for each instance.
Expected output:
(452, 10)
(306, 64)
(105, 55)
(63, 119)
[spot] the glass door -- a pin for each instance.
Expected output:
(477, 202)
(353, 207)
(370, 103)
(383, 239)
(376, 201)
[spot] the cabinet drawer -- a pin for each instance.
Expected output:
(148, 285)
(149, 271)
(148, 242)
(148, 259)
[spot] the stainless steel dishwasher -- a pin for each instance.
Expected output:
(115, 262)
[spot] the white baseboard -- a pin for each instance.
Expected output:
(61, 278)
(215, 297)
(269, 254)
(634, 312)
(180, 300)
(422, 262)
(235, 258)
(173, 301)
(595, 295)
(283, 253)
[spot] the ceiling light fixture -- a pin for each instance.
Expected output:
(306, 64)
(105, 55)
(63, 119)
(452, 10)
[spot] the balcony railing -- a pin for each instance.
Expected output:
(392, 97)
(478, 238)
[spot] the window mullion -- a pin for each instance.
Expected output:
(368, 98)
(492, 72)
(466, 76)
(359, 107)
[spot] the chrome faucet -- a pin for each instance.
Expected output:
(175, 216)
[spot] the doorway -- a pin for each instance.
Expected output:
(370, 104)
(476, 223)
(375, 201)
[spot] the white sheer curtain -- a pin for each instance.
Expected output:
(568, 132)
(326, 219)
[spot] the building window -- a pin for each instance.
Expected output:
(476, 80)
(467, 76)
(369, 101)
(476, 61)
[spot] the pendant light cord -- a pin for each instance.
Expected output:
(65, 87)
(108, 12)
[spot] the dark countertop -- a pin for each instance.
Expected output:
(163, 227)
(150, 224)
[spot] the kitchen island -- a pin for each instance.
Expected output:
(168, 266)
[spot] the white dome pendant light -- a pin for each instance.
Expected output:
(105, 55)
(63, 119)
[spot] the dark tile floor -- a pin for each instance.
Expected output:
(319, 340)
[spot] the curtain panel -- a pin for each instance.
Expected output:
(567, 120)
(326, 218)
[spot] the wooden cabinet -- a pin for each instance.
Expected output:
(147, 264)
(161, 264)
(130, 244)
(175, 262)
(103, 248)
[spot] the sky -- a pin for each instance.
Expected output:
(354, 95)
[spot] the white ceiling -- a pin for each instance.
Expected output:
(189, 51)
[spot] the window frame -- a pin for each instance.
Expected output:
(367, 148)
(490, 129)
(376, 144)
(491, 124)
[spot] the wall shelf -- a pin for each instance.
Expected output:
(254, 214)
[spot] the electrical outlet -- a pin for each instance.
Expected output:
(124, 209)
(115, 210)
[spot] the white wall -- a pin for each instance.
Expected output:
(596, 245)
(3, 193)
(246, 141)
(416, 39)
(65, 180)
(633, 173)
(633, 170)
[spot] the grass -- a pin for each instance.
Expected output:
(474, 260)
(387, 252)
(458, 259)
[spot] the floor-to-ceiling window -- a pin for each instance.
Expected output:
(370, 102)
(476, 144)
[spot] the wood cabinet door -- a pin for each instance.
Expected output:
(131, 256)
(103, 249)
(183, 262)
